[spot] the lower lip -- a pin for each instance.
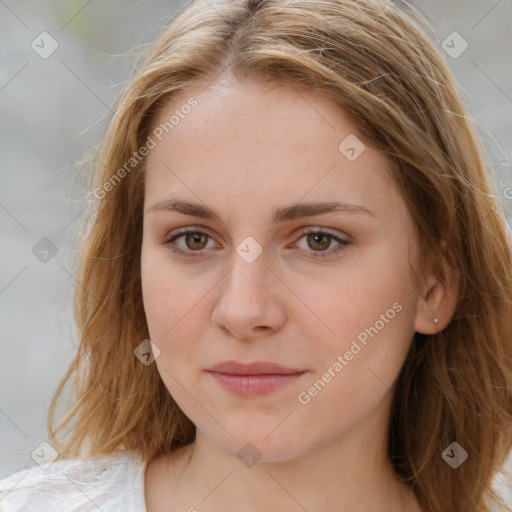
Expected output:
(254, 385)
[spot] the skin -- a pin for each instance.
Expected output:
(242, 151)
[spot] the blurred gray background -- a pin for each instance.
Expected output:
(54, 108)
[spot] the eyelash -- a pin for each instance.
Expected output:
(304, 231)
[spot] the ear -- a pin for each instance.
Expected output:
(437, 298)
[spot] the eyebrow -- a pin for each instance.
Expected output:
(279, 215)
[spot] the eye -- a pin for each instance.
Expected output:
(194, 239)
(320, 241)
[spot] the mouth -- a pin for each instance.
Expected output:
(253, 379)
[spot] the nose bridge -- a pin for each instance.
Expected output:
(248, 272)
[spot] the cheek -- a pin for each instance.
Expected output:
(160, 291)
(371, 308)
(168, 317)
(166, 292)
(176, 312)
(169, 305)
(356, 372)
(354, 295)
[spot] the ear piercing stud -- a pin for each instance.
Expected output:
(435, 320)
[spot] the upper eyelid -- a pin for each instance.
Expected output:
(188, 229)
(204, 229)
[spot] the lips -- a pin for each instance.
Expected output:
(257, 368)
(253, 379)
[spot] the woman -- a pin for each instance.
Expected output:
(294, 292)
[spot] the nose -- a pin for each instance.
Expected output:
(251, 300)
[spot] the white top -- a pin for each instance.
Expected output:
(112, 483)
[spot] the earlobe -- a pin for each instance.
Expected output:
(437, 301)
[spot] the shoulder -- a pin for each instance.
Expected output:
(106, 483)
(502, 485)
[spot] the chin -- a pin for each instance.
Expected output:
(251, 444)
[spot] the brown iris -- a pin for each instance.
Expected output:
(313, 237)
(196, 239)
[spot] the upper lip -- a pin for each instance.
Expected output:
(256, 368)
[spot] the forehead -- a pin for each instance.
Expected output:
(269, 112)
(261, 144)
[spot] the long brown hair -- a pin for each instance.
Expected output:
(377, 62)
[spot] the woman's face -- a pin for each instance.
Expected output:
(250, 170)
